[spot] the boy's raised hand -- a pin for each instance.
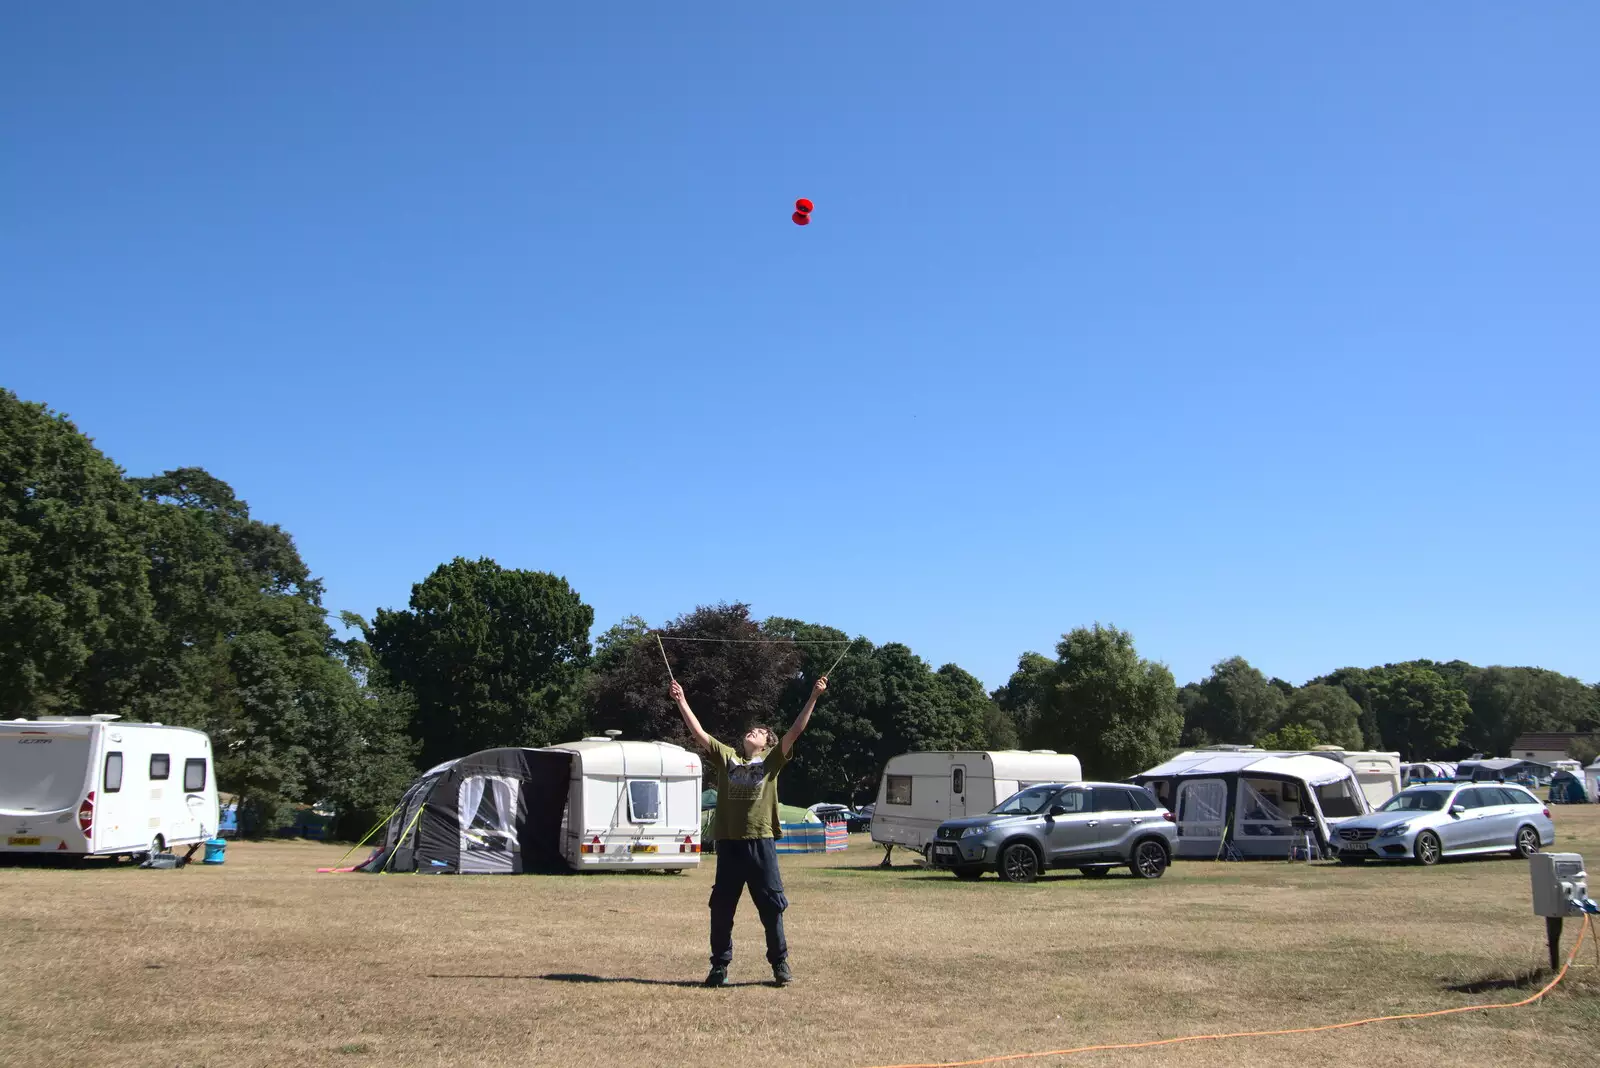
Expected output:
(818, 687)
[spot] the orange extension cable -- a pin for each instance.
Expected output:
(1584, 930)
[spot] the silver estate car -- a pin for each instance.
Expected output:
(1425, 823)
(1091, 826)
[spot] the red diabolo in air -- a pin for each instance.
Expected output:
(802, 212)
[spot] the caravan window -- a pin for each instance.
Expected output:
(194, 774)
(113, 772)
(958, 781)
(160, 766)
(644, 801)
(898, 791)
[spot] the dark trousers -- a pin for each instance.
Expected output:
(751, 862)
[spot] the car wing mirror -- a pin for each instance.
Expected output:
(1457, 810)
(1058, 810)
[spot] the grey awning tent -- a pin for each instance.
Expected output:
(1244, 804)
(1500, 769)
(496, 811)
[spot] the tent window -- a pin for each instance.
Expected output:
(113, 772)
(644, 801)
(493, 803)
(160, 765)
(1336, 800)
(899, 790)
(1262, 810)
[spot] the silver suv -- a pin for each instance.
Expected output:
(1091, 826)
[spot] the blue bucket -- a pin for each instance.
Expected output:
(215, 848)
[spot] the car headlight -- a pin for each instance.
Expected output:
(970, 831)
(1394, 832)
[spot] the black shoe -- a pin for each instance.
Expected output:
(781, 975)
(717, 976)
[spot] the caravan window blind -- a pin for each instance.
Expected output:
(898, 791)
(644, 801)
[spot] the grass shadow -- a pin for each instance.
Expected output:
(580, 977)
(1525, 980)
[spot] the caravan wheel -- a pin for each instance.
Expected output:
(158, 844)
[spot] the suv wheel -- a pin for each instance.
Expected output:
(1149, 859)
(1019, 863)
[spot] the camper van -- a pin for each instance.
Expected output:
(919, 791)
(91, 786)
(631, 804)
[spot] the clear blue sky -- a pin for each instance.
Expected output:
(1254, 328)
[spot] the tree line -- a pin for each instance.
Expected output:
(163, 599)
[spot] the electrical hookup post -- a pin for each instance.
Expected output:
(1560, 889)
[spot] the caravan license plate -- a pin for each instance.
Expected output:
(16, 841)
(645, 849)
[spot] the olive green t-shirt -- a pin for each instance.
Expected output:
(747, 792)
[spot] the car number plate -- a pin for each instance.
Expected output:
(645, 848)
(944, 850)
(1352, 847)
(16, 840)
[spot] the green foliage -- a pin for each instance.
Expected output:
(1027, 696)
(1113, 709)
(492, 657)
(1327, 712)
(1236, 703)
(1585, 750)
(1419, 712)
(73, 589)
(1359, 684)
(1291, 736)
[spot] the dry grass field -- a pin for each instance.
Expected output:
(261, 961)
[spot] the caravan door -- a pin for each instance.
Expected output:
(958, 791)
(487, 805)
(1202, 817)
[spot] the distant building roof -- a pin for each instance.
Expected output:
(1557, 741)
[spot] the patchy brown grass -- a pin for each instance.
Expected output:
(264, 962)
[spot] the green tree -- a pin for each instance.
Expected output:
(1419, 712)
(1292, 736)
(364, 757)
(1237, 704)
(1360, 684)
(1027, 696)
(74, 593)
(243, 651)
(1507, 702)
(492, 657)
(1115, 710)
(1327, 712)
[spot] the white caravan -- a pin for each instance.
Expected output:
(1378, 773)
(90, 786)
(919, 791)
(631, 804)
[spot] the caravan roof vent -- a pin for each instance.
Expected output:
(613, 734)
(104, 717)
(594, 738)
(1044, 752)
